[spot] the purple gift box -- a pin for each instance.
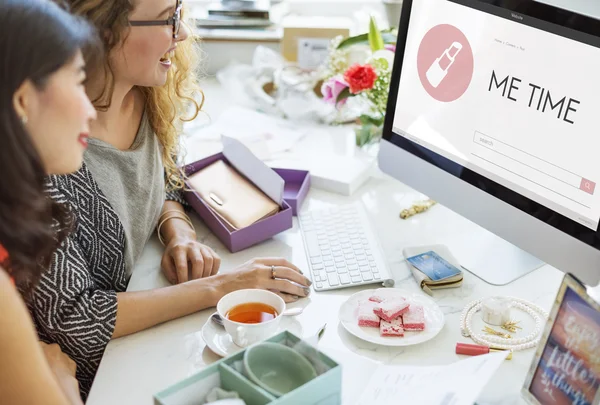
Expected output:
(297, 184)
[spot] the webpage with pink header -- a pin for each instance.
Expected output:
(516, 104)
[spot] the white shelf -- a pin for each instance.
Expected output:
(272, 34)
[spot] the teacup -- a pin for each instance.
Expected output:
(246, 334)
(277, 368)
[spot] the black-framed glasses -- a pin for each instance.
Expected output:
(174, 20)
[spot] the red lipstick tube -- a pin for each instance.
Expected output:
(476, 350)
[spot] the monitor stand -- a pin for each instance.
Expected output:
(491, 258)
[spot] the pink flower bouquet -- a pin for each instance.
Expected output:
(368, 79)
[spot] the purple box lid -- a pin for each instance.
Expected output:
(297, 184)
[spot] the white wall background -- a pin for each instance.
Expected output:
(587, 7)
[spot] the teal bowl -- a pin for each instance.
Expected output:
(277, 368)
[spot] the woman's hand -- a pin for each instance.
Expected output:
(187, 259)
(257, 273)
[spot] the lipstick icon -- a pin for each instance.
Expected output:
(438, 70)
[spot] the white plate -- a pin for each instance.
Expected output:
(434, 318)
(220, 341)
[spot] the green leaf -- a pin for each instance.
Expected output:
(375, 39)
(367, 134)
(388, 36)
(344, 94)
(384, 64)
(367, 119)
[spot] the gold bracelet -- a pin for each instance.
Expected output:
(167, 211)
(187, 220)
(183, 218)
(178, 215)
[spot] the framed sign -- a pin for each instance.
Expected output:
(566, 366)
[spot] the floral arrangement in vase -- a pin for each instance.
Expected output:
(361, 67)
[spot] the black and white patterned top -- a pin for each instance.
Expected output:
(75, 303)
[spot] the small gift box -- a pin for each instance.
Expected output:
(228, 374)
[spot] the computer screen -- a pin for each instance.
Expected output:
(506, 101)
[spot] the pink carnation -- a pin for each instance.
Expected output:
(332, 88)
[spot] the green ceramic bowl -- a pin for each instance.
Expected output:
(277, 368)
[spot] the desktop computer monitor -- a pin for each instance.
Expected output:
(494, 111)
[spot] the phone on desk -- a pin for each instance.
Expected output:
(433, 267)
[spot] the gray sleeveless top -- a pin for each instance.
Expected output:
(133, 182)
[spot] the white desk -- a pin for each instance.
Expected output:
(137, 366)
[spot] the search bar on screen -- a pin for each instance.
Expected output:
(532, 168)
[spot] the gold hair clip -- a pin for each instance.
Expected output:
(511, 326)
(491, 331)
(417, 208)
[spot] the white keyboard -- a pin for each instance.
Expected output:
(342, 249)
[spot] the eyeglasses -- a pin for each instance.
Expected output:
(174, 20)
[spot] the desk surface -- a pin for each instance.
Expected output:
(137, 366)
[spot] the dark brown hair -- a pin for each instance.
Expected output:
(37, 38)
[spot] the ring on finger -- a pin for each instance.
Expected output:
(273, 275)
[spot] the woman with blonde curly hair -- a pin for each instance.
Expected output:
(129, 184)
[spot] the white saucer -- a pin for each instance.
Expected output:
(434, 318)
(220, 341)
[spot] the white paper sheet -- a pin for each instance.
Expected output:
(266, 135)
(256, 171)
(355, 368)
(459, 383)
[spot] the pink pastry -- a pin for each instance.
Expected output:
(366, 316)
(393, 328)
(391, 309)
(376, 298)
(414, 319)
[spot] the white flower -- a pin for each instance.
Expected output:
(385, 54)
(358, 54)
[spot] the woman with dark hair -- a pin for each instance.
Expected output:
(44, 121)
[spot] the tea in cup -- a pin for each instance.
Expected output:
(251, 315)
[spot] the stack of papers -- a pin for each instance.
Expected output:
(458, 383)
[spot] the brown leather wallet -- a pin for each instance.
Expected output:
(232, 197)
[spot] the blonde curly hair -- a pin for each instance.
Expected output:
(167, 106)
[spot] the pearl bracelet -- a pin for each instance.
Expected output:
(537, 313)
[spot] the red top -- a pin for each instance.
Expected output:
(3, 257)
(3, 254)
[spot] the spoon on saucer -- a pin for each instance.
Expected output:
(216, 318)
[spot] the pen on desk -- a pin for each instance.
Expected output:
(475, 350)
(321, 332)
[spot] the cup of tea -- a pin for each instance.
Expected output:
(250, 316)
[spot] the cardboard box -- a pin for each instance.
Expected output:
(326, 389)
(306, 38)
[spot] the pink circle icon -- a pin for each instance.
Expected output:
(445, 63)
